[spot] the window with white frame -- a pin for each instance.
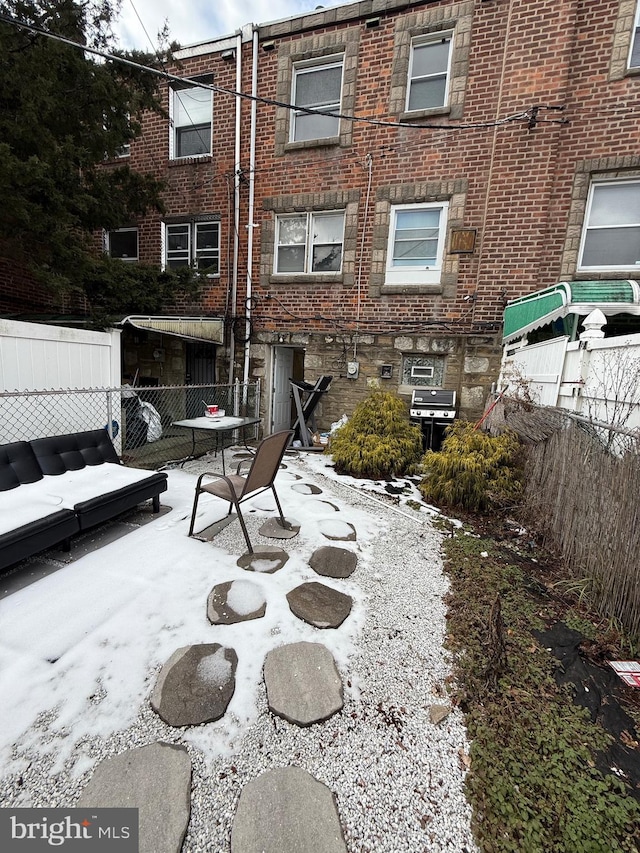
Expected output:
(193, 244)
(309, 243)
(190, 112)
(416, 243)
(634, 53)
(611, 233)
(429, 72)
(316, 87)
(122, 243)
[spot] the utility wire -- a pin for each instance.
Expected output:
(526, 115)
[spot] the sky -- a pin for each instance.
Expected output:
(192, 21)
(97, 628)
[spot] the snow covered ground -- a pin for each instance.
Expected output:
(81, 648)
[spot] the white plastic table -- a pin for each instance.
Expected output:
(219, 426)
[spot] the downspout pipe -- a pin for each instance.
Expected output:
(236, 208)
(250, 223)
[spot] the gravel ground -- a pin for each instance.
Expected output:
(397, 778)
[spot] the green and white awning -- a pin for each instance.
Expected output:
(569, 297)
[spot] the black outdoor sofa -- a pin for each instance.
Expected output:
(53, 488)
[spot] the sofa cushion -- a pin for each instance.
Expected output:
(60, 453)
(98, 493)
(18, 465)
(90, 482)
(30, 538)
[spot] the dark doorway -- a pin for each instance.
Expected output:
(200, 370)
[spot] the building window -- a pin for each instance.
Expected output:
(123, 244)
(423, 371)
(611, 236)
(416, 243)
(113, 123)
(634, 55)
(429, 73)
(191, 111)
(316, 87)
(193, 244)
(309, 243)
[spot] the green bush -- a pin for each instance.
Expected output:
(378, 440)
(473, 471)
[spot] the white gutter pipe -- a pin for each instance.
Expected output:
(250, 223)
(236, 206)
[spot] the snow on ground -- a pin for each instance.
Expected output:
(80, 651)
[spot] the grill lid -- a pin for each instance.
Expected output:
(433, 398)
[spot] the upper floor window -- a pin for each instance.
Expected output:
(190, 111)
(429, 73)
(416, 243)
(611, 234)
(634, 55)
(193, 244)
(123, 244)
(117, 122)
(309, 243)
(317, 87)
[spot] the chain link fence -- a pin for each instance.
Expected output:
(139, 420)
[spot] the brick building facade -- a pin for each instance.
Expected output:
(402, 171)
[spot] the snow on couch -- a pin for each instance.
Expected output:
(52, 488)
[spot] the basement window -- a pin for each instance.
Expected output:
(423, 371)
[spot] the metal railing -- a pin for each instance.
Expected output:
(139, 420)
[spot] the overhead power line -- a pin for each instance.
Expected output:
(529, 115)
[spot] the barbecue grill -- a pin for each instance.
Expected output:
(433, 409)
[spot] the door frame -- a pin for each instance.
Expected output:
(298, 374)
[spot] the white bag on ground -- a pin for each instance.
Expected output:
(154, 422)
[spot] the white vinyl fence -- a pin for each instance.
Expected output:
(598, 378)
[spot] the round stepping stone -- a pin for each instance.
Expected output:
(155, 779)
(303, 683)
(319, 605)
(333, 528)
(264, 503)
(272, 529)
(289, 474)
(195, 685)
(267, 559)
(286, 810)
(235, 601)
(333, 562)
(329, 505)
(306, 489)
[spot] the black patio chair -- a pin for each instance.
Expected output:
(236, 488)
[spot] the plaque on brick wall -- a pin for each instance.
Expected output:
(462, 241)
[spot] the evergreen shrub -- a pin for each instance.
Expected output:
(473, 470)
(378, 441)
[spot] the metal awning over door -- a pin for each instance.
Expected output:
(207, 329)
(569, 297)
